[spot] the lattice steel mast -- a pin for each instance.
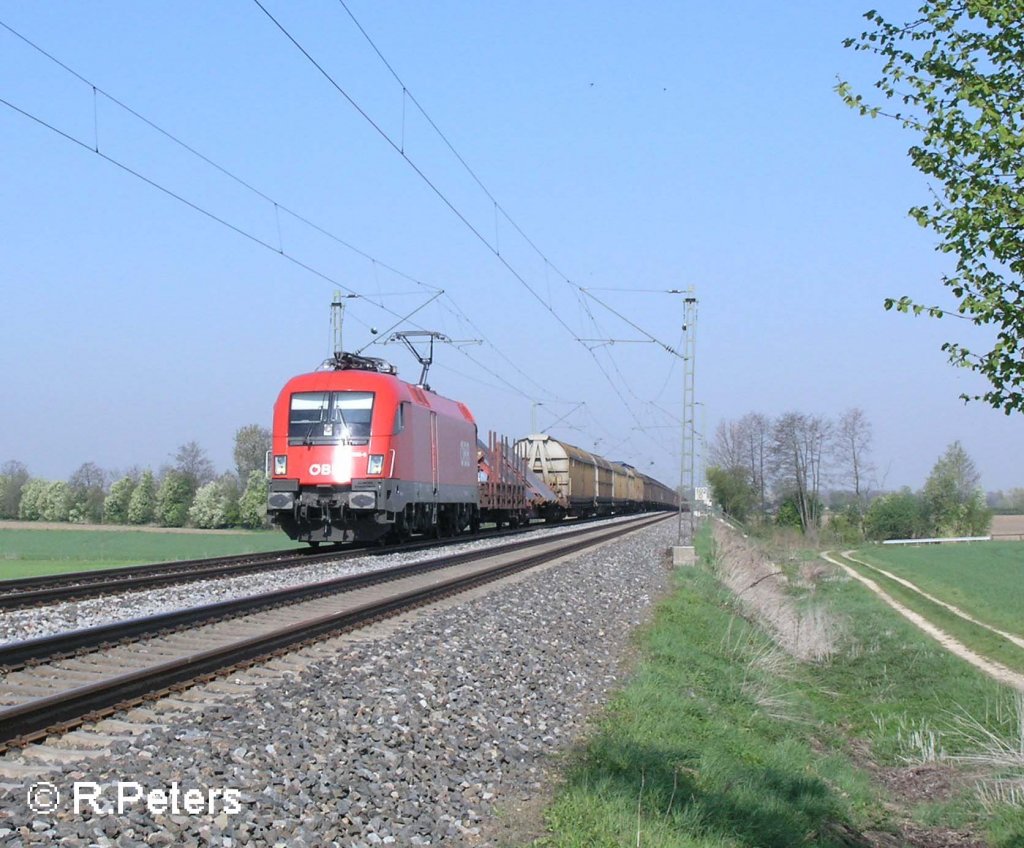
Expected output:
(687, 451)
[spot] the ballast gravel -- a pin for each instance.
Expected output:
(20, 625)
(422, 736)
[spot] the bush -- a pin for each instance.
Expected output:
(216, 504)
(207, 508)
(788, 514)
(142, 503)
(30, 508)
(898, 515)
(55, 503)
(847, 524)
(731, 490)
(252, 507)
(118, 501)
(174, 499)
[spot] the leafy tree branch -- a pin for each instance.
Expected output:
(956, 77)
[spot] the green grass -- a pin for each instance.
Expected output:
(26, 553)
(717, 743)
(977, 638)
(985, 579)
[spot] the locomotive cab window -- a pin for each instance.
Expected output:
(330, 418)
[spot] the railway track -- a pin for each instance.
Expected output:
(54, 588)
(57, 588)
(60, 681)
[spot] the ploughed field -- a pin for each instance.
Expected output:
(1007, 526)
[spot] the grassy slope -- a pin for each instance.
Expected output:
(29, 552)
(712, 744)
(984, 579)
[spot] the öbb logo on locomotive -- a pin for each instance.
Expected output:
(359, 455)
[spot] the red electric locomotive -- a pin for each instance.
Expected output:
(359, 454)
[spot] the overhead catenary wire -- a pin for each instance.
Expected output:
(460, 314)
(422, 175)
(406, 93)
(250, 236)
(280, 248)
(632, 324)
(399, 147)
(248, 185)
(194, 206)
(278, 206)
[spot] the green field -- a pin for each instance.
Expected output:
(716, 742)
(985, 579)
(26, 553)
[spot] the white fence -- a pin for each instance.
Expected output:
(937, 541)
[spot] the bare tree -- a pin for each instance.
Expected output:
(798, 451)
(251, 445)
(88, 489)
(756, 429)
(728, 448)
(743, 444)
(193, 464)
(851, 447)
(13, 477)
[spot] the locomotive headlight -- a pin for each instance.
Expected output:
(280, 465)
(375, 464)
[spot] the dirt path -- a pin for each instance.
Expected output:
(994, 669)
(1017, 640)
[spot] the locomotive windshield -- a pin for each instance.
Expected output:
(329, 418)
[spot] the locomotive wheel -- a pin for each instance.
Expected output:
(400, 532)
(448, 523)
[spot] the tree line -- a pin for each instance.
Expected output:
(187, 492)
(807, 471)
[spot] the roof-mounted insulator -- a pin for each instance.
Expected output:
(343, 361)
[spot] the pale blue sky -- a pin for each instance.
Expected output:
(639, 146)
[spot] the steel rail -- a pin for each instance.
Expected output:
(24, 592)
(14, 655)
(50, 588)
(21, 723)
(98, 575)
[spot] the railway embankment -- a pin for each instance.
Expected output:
(441, 726)
(776, 702)
(765, 700)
